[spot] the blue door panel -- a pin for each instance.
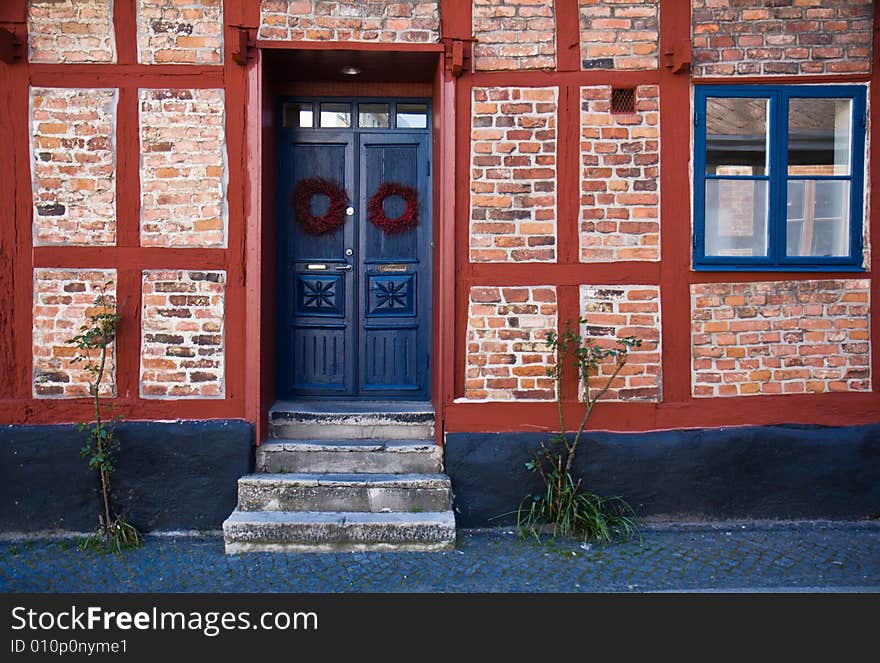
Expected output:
(396, 275)
(328, 160)
(317, 352)
(391, 359)
(316, 318)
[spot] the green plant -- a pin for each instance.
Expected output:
(564, 508)
(102, 444)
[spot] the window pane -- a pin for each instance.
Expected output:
(412, 116)
(373, 116)
(298, 115)
(335, 115)
(736, 136)
(736, 218)
(819, 136)
(817, 218)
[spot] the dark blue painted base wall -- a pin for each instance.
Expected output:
(183, 475)
(178, 475)
(772, 472)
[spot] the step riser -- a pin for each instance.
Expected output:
(349, 462)
(329, 537)
(234, 547)
(342, 498)
(350, 431)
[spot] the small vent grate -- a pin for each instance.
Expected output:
(623, 100)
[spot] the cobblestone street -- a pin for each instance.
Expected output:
(788, 557)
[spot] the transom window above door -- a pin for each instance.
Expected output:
(779, 177)
(361, 114)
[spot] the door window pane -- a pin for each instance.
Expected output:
(819, 135)
(736, 218)
(412, 116)
(298, 115)
(736, 136)
(335, 115)
(817, 222)
(373, 116)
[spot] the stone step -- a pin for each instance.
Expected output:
(350, 456)
(310, 531)
(345, 492)
(352, 420)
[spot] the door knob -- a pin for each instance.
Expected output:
(343, 268)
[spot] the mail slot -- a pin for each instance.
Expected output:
(316, 268)
(393, 268)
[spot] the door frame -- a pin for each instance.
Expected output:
(258, 249)
(356, 139)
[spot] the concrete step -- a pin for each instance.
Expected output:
(350, 456)
(345, 492)
(310, 531)
(352, 420)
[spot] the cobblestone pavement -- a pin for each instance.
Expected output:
(815, 557)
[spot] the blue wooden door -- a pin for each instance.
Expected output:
(354, 318)
(395, 271)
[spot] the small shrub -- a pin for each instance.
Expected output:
(113, 533)
(565, 508)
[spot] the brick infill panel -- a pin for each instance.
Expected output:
(780, 337)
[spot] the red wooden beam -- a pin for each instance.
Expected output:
(675, 211)
(568, 35)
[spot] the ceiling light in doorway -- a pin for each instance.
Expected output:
(351, 71)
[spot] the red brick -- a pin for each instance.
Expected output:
(510, 324)
(813, 335)
(819, 32)
(61, 31)
(180, 31)
(55, 320)
(611, 313)
(372, 20)
(192, 167)
(627, 138)
(182, 355)
(521, 195)
(74, 191)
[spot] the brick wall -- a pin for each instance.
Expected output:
(620, 177)
(180, 31)
(617, 311)
(183, 168)
(62, 300)
(364, 20)
(513, 174)
(624, 34)
(507, 357)
(784, 337)
(73, 148)
(803, 37)
(182, 334)
(71, 31)
(514, 34)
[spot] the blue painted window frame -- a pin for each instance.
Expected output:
(777, 126)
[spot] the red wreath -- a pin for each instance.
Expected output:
(333, 218)
(376, 208)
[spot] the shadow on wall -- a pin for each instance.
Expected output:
(756, 472)
(178, 475)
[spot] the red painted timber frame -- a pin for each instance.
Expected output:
(678, 408)
(250, 273)
(19, 258)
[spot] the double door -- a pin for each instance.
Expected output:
(354, 318)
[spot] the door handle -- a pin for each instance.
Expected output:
(343, 268)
